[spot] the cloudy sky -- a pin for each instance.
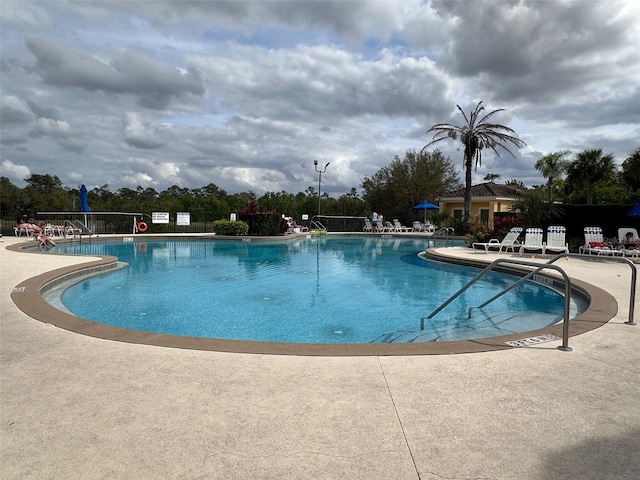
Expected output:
(246, 94)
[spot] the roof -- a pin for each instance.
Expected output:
(491, 190)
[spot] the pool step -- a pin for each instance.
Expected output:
(463, 328)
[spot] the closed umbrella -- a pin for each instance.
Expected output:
(84, 199)
(425, 206)
(84, 203)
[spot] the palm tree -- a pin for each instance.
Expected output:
(476, 134)
(533, 209)
(589, 169)
(552, 166)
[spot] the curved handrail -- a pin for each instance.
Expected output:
(634, 275)
(317, 225)
(488, 268)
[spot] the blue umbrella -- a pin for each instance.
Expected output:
(635, 211)
(84, 199)
(425, 206)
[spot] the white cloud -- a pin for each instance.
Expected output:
(15, 173)
(49, 126)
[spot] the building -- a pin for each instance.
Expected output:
(486, 199)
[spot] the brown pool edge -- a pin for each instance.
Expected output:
(27, 296)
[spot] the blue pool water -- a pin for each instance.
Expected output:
(316, 290)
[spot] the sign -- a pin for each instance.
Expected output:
(305, 216)
(526, 342)
(232, 217)
(159, 217)
(183, 218)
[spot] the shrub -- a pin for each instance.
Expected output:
(502, 225)
(227, 227)
(479, 234)
(264, 224)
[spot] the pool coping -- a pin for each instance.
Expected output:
(27, 296)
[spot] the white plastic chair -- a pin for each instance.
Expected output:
(399, 227)
(510, 241)
(532, 240)
(628, 251)
(556, 239)
(594, 243)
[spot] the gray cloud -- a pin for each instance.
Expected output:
(12, 110)
(153, 82)
(247, 94)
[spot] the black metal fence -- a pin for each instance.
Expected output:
(338, 223)
(120, 224)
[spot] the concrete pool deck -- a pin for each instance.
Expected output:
(77, 407)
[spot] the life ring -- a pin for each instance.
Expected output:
(142, 227)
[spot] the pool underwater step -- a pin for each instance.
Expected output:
(463, 328)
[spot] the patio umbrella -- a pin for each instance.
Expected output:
(635, 211)
(84, 199)
(425, 206)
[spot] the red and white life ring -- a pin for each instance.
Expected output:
(142, 227)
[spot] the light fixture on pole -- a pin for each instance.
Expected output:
(320, 172)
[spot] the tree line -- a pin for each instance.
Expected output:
(394, 189)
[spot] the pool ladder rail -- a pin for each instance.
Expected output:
(317, 227)
(76, 228)
(538, 268)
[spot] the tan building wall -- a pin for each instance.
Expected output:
(488, 205)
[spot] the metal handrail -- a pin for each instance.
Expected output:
(634, 275)
(488, 268)
(77, 226)
(317, 225)
(447, 230)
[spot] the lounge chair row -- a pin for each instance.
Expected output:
(594, 243)
(533, 241)
(396, 226)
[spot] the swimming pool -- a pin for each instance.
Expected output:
(309, 290)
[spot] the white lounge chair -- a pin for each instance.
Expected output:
(386, 227)
(556, 239)
(532, 240)
(594, 243)
(628, 250)
(368, 226)
(427, 228)
(401, 228)
(510, 241)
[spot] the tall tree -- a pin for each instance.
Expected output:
(476, 134)
(591, 168)
(631, 170)
(552, 166)
(394, 189)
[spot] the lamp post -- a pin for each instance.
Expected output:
(320, 172)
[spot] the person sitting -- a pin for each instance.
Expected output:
(630, 242)
(292, 226)
(42, 239)
(25, 227)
